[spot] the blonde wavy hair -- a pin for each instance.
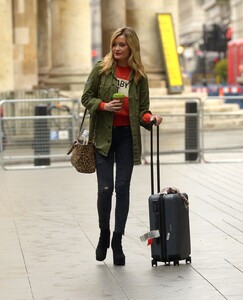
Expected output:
(134, 61)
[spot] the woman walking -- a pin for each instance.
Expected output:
(115, 131)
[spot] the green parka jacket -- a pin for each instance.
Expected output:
(100, 88)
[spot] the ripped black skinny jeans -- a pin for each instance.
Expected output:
(121, 156)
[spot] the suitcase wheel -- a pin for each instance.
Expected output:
(154, 263)
(176, 262)
(188, 260)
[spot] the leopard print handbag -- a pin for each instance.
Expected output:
(83, 155)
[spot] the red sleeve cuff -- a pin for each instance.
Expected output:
(146, 117)
(102, 106)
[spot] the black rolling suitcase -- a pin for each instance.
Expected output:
(168, 213)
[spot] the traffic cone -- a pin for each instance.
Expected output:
(221, 91)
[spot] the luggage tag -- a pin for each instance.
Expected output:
(150, 236)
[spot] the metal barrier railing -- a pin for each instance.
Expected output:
(37, 132)
(222, 130)
(180, 131)
(40, 93)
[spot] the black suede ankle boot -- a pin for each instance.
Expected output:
(103, 244)
(118, 255)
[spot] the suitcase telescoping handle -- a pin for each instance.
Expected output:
(152, 160)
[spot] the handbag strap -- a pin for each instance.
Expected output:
(85, 111)
(80, 128)
(82, 122)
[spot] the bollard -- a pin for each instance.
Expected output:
(191, 131)
(41, 136)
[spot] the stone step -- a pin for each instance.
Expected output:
(156, 102)
(229, 107)
(161, 106)
(177, 124)
(225, 123)
(173, 122)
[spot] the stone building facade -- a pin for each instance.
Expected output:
(237, 18)
(6, 46)
(48, 43)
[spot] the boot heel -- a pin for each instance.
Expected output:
(118, 255)
(119, 260)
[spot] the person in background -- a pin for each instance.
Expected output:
(115, 131)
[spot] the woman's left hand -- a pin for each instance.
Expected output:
(157, 119)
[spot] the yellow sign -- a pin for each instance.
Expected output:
(170, 55)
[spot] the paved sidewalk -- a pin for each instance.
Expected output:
(49, 231)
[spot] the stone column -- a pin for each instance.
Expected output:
(113, 16)
(141, 15)
(44, 39)
(71, 43)
(25, 44)
(6, 46)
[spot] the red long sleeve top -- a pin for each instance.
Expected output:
(121, 118)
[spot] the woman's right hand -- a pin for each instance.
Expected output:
(113, 106)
